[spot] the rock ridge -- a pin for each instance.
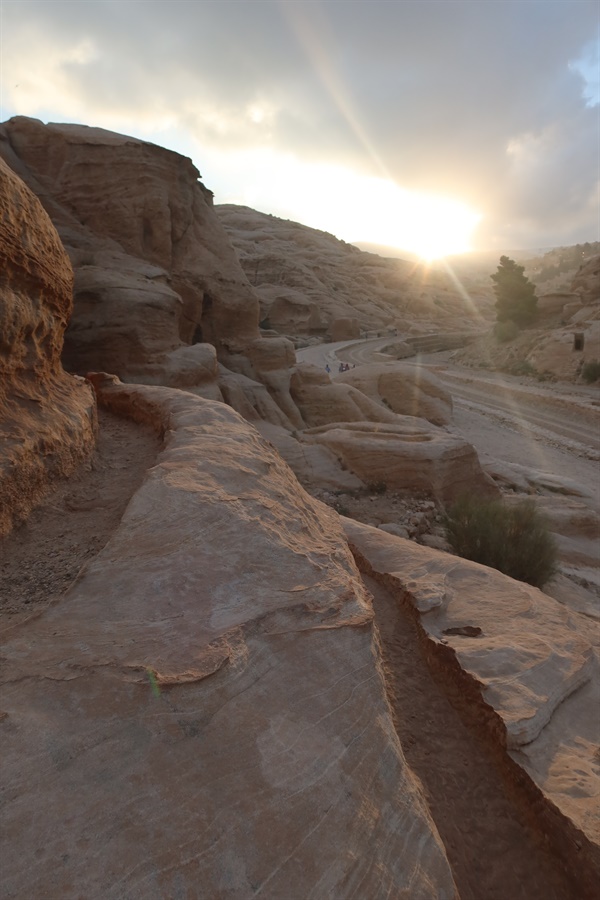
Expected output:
(206, 702)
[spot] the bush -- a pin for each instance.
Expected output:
(521, 367)
(513, 539)
(377, 487)
(505, 331)
(590, 371)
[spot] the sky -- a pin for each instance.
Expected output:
(434, 126)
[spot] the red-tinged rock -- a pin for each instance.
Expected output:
(47, 418)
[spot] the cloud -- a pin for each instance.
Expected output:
(484, 103)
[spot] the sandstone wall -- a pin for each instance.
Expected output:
(154, 269)
(47, 418)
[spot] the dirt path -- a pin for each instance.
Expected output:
(39, 560)
(493, 852)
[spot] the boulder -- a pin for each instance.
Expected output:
(409, 454)
(322, 401)
(47, 418)
(206, 703)
(405, 389)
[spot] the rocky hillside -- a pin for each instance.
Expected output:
(563, 340)
(555, 270)
(309, 283)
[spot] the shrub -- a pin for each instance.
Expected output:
(513, 539)
(505, 331)
(377, 487)
(521, 367)
(590, 371)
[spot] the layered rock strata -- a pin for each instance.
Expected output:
(309, 282)
(154, 270)
(405, 389)
(205, 705)
(409, 454)
(47, 418)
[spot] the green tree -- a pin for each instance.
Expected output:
(515, 294)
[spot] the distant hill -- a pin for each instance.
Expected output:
(306, 279)
(555, 269)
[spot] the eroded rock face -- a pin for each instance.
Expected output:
(149, 201)
(531, 660)
(405, 389)
(154, 270)
(47, 418)
(205, 703)
(322, 401)
(410, 454)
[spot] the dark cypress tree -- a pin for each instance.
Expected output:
(515, 294)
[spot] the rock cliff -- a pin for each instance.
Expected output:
(47, 417)
(154, 269)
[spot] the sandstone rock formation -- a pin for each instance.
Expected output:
(322, 401)
(154, 269)
(587, 281)
(47, 418)
(205, 704)
(410, 454)
(405, 389)
(308, 279)
(522, 656)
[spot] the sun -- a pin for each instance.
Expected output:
(426, 225)
(355, 207)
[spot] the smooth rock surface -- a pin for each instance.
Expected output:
(47, 418)
(322, 401)
(405, 389)
(533, 661)
(204, 713)
(408, 453)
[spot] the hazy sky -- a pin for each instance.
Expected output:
(390, 121)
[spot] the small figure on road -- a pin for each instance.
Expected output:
(327, 369)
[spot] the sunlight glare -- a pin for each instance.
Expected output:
(351, 206)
